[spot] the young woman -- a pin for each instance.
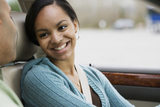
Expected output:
(55, 80)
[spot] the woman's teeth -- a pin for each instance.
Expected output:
(61, 47)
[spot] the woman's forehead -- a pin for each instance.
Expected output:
(53, 12)
(51, 15)
(52, 9)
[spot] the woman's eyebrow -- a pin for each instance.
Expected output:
(60, 22)
(39, 30)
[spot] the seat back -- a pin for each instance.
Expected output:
(25, 49)
(12, 77)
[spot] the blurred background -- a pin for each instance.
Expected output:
(112, 14)
(118, 33)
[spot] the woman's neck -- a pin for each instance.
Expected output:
(67, 66)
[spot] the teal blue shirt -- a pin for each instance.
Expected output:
(45, 85)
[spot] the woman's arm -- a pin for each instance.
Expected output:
(115, 99)
(47, 89)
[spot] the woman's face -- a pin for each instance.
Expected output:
(55, 33)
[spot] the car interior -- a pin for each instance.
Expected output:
(25, 50)
(140, 86)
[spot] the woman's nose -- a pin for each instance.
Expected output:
(56, 38)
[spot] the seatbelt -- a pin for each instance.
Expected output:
(84, 83)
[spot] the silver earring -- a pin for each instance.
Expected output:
(77, 36)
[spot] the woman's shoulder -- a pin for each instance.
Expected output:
(89, 69)
(40, 66)
(39, 63)
(34, 66)
(35, 62)
(94, 74)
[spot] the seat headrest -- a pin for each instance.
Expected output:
(24, 47)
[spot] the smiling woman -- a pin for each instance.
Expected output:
(56, 80)
(56, 37)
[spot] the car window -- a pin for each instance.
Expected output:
(14, 4)
(118, 34)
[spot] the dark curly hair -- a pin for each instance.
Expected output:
(35, 9)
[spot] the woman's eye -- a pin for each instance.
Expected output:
(43, 35)
(62, 27)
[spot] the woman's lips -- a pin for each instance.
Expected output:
(61, 47)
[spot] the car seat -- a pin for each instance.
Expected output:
(11, 73)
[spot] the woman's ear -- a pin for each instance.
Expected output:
(75, 22)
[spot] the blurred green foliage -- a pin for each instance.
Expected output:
(14, 4)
